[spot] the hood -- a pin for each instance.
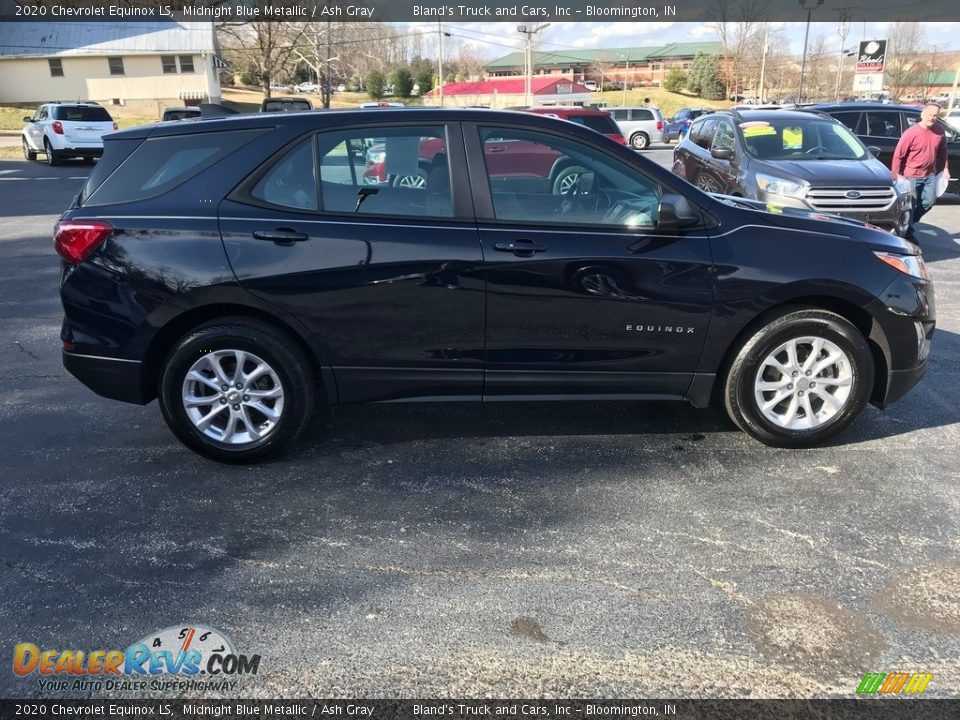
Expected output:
(819, 173)
(798, 219)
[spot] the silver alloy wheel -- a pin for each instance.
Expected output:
(639, 141)
(412, 181)
(804, 383)
(233, 396)
(568, 183)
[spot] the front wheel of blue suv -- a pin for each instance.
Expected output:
(800, 379)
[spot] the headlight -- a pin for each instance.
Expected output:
(376, 157)
(778, 186)
(903, 186)
(912, 265)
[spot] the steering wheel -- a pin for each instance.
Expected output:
(814, 149)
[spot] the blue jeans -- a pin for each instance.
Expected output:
(924, 197)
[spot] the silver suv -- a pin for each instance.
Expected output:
(640, 125)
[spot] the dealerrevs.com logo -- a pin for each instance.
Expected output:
(189, 657)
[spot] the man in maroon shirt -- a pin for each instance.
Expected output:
(920, 155)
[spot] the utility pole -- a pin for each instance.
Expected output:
(529, 32)
(328, 83)
(763, 62)
(842, 30)
(807, 5)
(440, 61)
(953, 90)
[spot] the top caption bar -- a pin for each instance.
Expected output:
(511, 12)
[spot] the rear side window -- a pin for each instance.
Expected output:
(883, 124)
(599, 123)
(292, 182)
(641, 115)
(81, 113)
(850, 119)
(160, 164)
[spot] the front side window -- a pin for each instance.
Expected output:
(539, 178)
(169, 64)
(724, 139)
(704, 135)
(116, 65)
(400, 171)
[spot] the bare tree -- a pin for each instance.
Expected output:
(904, 62)
(740, 25)
(268, 46)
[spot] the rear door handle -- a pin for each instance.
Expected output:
(520, 248)
(281, 236)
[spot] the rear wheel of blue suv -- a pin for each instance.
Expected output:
(245, 270)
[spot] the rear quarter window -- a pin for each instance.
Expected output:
(160, 164)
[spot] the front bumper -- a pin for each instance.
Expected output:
(895, 218)
(108, 377)
(906, 321)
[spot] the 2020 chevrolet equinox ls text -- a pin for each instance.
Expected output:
(244, 269)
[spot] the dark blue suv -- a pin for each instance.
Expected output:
(243, 270)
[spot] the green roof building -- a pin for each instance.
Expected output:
(638, 66)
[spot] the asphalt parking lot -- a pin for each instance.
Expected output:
(576, 549)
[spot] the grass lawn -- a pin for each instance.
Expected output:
(668, 102)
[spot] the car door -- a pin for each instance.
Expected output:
(699, 171)
(952, 139)
(385, 274)
(35, 128)
(585, 294)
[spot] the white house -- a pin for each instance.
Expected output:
(148, 65)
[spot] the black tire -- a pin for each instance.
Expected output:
(640, 141)
(560, 178)
(740, 392)
(252, 336)
(28, 154)
(53, 157)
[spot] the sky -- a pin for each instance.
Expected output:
(495, 39)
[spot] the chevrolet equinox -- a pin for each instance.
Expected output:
(244, 269)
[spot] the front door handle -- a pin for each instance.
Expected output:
(520, 248)
(281, 236)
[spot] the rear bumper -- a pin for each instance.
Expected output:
(79, 151)
(112, 378)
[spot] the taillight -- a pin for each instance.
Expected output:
(116, 127)
(57, 127)
(74, 240)
(659, 124)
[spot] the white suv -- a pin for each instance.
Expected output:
(65, 130)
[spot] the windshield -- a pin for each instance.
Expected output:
(790, 138)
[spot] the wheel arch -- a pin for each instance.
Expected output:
(858, 316)
(177, 327)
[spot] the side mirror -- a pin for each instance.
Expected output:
(722, 153)
(874, 150)
(675, 211)
(27, 118)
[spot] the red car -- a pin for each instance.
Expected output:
(598, 120)
(507, 158)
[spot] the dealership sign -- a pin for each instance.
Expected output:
(870, 59)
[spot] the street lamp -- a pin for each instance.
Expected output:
(809, 6)
(529, 32)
